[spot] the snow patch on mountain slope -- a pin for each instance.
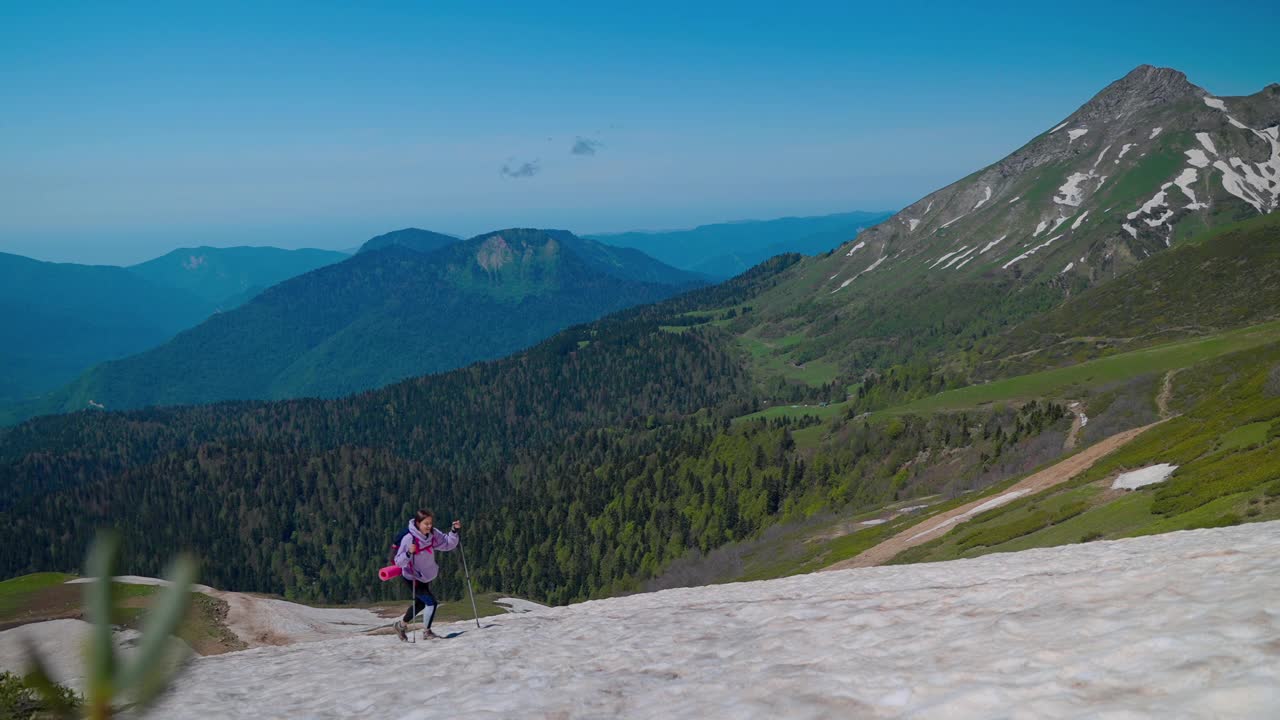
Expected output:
(988, 505)
(1177, 625)
(944, 257)
(1076, 134)
(137, 580)
(1040, 228)
(1015, 200)
(1258, 184)
(869, 268)
(1067, 268)
(1183, 181)
(1197, 158)
(1156, 201)
(912, 224)
(60, 643)
(984, 199)
(993, 243)
(1131, 230)
(1058, 127)
(1030, 252)
(959, 256)
(861, 244)
(1124, 150)
(1059, 222)
(1233, 183)
(1154, 133)
(1071, 193)
(519, 605)
(1101, 155)
(1076, 225)
(1146, 476)
(949, 223)
(1215, 103)
(1207, 142)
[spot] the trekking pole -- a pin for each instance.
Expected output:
(467, 575)
(413, 604)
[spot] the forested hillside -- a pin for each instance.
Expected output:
(376, 318)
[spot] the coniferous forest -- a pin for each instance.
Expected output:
(580, 468)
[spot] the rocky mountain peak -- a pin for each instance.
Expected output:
(1145, 86)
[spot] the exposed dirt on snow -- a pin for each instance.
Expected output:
(262, 621)
(939, 524)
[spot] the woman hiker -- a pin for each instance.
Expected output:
(417, 559)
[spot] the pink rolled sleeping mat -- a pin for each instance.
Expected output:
(388, 572)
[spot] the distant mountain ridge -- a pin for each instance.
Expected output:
(623, 262)
(62, 318)
(727, 249)
(380, 316)
(226, 277)
(412, 238)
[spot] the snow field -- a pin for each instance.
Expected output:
(1178, 625)
(1146, 476)
(991, 504)
(1071, 192)
(992, 244)
(984, 199)
(60, 643)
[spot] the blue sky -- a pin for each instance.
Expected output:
(129, 129)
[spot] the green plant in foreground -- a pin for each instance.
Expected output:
(111, 683)
(19, 702)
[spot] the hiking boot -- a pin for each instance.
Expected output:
(428, 635)
(401, 630)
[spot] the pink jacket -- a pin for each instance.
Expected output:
(421, 565)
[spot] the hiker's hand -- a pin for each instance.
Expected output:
(457, 525)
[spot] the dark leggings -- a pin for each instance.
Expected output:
(424, 599)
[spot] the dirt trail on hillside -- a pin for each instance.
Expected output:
(1166, 393)
(1077, 424)
(939, 524)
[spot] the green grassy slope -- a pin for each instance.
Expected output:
(1226, 278)
(1226, 448)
